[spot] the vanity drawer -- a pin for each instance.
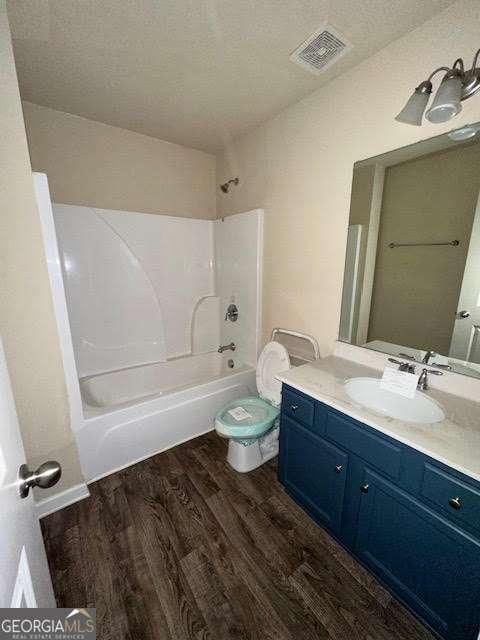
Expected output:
(453, 496)
(374, 449)
(297, 407)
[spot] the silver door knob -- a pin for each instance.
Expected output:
(338, 468)
(294, 407)
(364, 488)
(44, 477)
(460, 315)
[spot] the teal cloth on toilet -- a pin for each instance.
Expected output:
(247, 418)
(249, 441)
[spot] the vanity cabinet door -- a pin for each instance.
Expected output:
(429, 562)
(313, 471)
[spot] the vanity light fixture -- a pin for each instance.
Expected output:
(457, 84)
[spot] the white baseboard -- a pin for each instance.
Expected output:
(60, 500)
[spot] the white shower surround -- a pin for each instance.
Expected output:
(134, 284)
(177, 255)
(177, 400)
(239, 272)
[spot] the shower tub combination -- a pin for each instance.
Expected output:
(133, 413)
(140, 324)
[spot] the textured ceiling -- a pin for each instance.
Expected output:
(194, 72)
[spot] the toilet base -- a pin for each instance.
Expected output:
(244, 458)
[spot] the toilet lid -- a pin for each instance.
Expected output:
(273, 360)
(246, 417)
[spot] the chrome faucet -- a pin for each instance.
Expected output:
(403, 366)
(227, 347)
(423, 378)
(407, 356)
(426, 360)
(428, 356)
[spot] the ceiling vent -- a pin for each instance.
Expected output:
(322, 49)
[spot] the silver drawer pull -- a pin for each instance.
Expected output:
(338, 468)
(294, 407)
(455, 503)
(364, 488)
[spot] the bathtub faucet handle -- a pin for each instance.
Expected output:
(232, 312)
(227, 347)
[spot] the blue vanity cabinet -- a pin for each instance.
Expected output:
(427, 561)
(389, 505)
(314, 471)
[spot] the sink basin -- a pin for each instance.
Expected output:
(369, 393)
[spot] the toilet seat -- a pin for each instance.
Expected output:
(254, 417)
(251, 417)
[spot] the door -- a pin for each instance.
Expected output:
(24, 576)
(465, 344)
(429, 562)
(314, 471)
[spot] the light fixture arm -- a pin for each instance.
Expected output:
(456, 85)
(475, 59)
(459, 63)
(446, 69)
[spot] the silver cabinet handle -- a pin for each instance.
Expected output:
(44, 477)
(294, 407)
(364, 488)
(338, 468)
(464, 313)
(455, 503)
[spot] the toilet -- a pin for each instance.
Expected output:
(251, 424)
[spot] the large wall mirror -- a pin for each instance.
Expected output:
(412, 275)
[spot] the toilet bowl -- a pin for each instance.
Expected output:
(251, 423)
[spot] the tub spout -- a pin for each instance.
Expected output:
(227, 347)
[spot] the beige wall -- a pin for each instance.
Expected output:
(94, 164)
(416, 289)
(298, 166)
(27, 322)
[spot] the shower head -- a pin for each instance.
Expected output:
(226, 185)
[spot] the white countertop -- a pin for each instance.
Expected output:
(455, 441)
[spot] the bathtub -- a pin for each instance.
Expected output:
(134, 413)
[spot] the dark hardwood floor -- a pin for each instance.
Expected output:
(181, 546)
